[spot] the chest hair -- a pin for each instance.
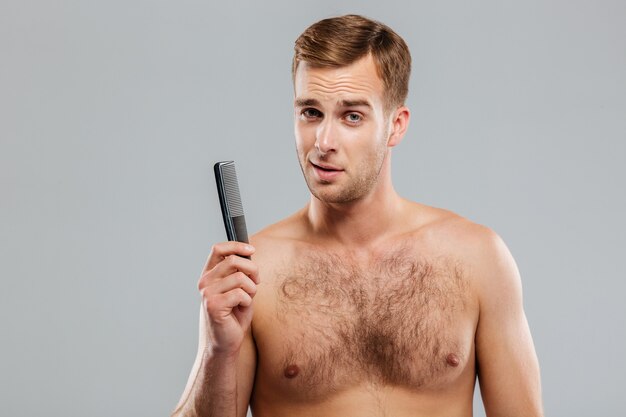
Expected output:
(391, 320)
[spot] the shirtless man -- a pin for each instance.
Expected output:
(365, 304)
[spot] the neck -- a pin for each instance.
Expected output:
(360, 222)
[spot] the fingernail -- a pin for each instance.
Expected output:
(249, 248)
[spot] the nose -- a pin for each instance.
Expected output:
(326, 137)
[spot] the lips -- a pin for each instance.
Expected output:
(326, 167)
(326, 172)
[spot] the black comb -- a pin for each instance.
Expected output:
(230, 201)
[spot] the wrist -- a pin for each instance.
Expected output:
(223, 355)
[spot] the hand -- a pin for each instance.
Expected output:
(227, 285)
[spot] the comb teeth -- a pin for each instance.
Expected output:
(231, 189)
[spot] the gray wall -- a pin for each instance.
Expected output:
(113, 112)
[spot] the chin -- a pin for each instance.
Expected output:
(336, 197)
(333, 193)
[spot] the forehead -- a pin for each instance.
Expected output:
(359, 79)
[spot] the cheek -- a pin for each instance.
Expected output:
(369, 141)
(305, 135)
(299, 137)
(301, 147)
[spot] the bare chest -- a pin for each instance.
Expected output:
(331, 323)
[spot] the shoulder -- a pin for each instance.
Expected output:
(463, 236)
(277, 235)
(482, 254)
(481, 249)
(276, 244)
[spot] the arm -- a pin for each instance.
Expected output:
(508, 370)
(221, 379)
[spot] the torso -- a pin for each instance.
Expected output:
(376, 331)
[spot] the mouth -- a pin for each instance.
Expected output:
(326, 172)
(326, 167)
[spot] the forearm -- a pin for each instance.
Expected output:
(213, 392)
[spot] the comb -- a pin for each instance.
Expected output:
(230, 201)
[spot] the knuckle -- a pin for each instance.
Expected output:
(212, 303)
(247, 299)
(246, 283)
(219, 249)
(204, 280)
(232, 260)
(232, 297)
(244, 294)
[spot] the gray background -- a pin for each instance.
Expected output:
(113, 112)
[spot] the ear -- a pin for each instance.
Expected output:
(399, 125)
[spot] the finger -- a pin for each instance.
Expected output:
(236, 297)
(243, 315)
(236, 280)
(229, 266)
(221, 250)
(219, 306)
(234, 263)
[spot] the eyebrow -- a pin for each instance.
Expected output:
(355, 103)
(305, 102)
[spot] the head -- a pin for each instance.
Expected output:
(341, 41)
(351, 80)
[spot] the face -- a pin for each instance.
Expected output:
(341, 129)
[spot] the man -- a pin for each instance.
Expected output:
(365, 304)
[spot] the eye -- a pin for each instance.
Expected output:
(311, 113)
(354, 118)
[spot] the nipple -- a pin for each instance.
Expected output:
(453, 360)
(291, 371)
